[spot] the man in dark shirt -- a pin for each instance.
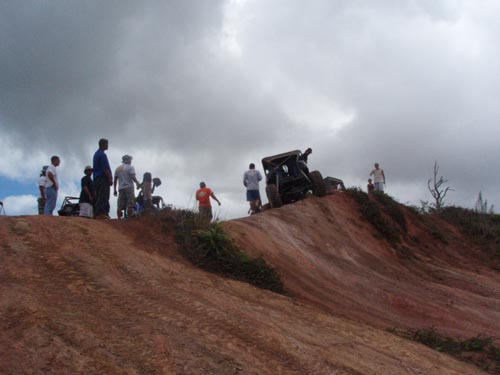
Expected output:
(87, 195)
(103, 179)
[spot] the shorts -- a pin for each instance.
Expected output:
(126, 198)
(86, 210)
(379, 186)
(253, 195)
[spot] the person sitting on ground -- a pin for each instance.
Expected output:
(88, 194)
(370, 186)
(251, 180)
(203, 195)
(125, 176)
(42, 181)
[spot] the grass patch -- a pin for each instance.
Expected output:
(371, 212)
(207, 245)
(392, 208)
(479, 350)
(482, 228)
(479, 226)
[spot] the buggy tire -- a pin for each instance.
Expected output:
(319, 186)
(273, 196)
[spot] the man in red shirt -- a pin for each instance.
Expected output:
(203, 195)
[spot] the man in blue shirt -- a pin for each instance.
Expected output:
(103, 179)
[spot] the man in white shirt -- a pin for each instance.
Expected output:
(378, 178)
(125, 176)
(52, 185)
(251, 180)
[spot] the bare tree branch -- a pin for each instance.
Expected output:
(437, 189)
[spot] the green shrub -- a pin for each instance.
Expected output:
(370, 211)
(392, 208)
(486, 354)
(480, 226)
(207, 245)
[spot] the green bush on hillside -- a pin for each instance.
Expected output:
(371, 212)
(392, 208)
(479, 350)
(209, 247)
(480, 226)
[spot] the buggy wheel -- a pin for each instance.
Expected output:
(273, 196)
(319, 186)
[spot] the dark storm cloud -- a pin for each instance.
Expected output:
(213, 85)
(135, 71)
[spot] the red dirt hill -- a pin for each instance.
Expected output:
(328, 255)
(116, 297)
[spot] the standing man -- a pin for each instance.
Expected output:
(125, 175)
(251, 180)
(203, 195)
(378, 178)
(51, 186)
(87, 195)
(103, 179)
(42, 181)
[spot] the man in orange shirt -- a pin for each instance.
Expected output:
(203, 195)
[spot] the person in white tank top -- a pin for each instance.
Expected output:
(378, 178)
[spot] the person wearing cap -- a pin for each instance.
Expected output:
(103, 180)
(125, 177)
(42, 181)
(87, 195)
(51, 186)
(203, 195)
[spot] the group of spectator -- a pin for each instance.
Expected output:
(98, 179)
(96, 186)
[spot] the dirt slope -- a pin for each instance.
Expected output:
(95, 297)
(327, 254)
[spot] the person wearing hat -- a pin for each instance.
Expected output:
(88, 194)
(125, 177)
(42, 181)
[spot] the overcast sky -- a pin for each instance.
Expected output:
(197, 89)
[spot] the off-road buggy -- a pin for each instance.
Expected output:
(288, 178)
(70, 207)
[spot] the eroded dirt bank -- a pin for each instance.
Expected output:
(95, 297)
(327, 254)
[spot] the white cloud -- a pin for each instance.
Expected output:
(20, 205)
(197, 90)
